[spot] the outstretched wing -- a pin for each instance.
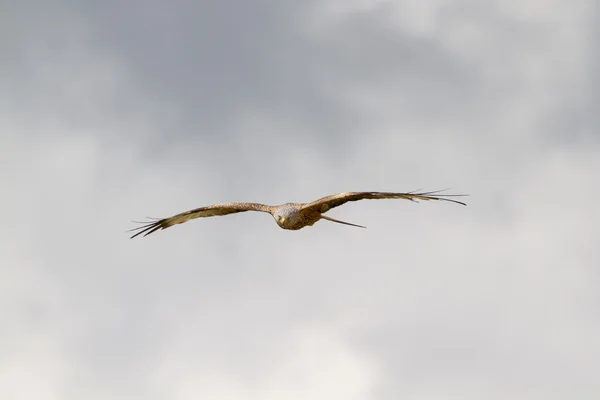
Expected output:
(326, 203)
(209, 211)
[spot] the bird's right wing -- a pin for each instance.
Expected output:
(209, 211)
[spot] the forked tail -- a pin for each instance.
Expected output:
(340, 222)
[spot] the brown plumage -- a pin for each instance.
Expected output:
(291, 216)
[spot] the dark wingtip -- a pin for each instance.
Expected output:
(435, 194)
(147, 228)
(452, 200)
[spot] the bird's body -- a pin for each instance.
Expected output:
(289, 216)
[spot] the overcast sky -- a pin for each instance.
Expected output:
(113, 111)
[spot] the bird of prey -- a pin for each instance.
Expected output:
(291, 216)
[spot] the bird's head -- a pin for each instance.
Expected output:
(284, 216)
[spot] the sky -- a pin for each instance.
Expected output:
(113, 111)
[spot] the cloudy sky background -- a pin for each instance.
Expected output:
(112, 111)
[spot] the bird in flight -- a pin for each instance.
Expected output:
(291, 216)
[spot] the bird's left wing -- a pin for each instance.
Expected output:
(209, 211)
(326, 203)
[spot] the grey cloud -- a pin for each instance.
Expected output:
(219, 61)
